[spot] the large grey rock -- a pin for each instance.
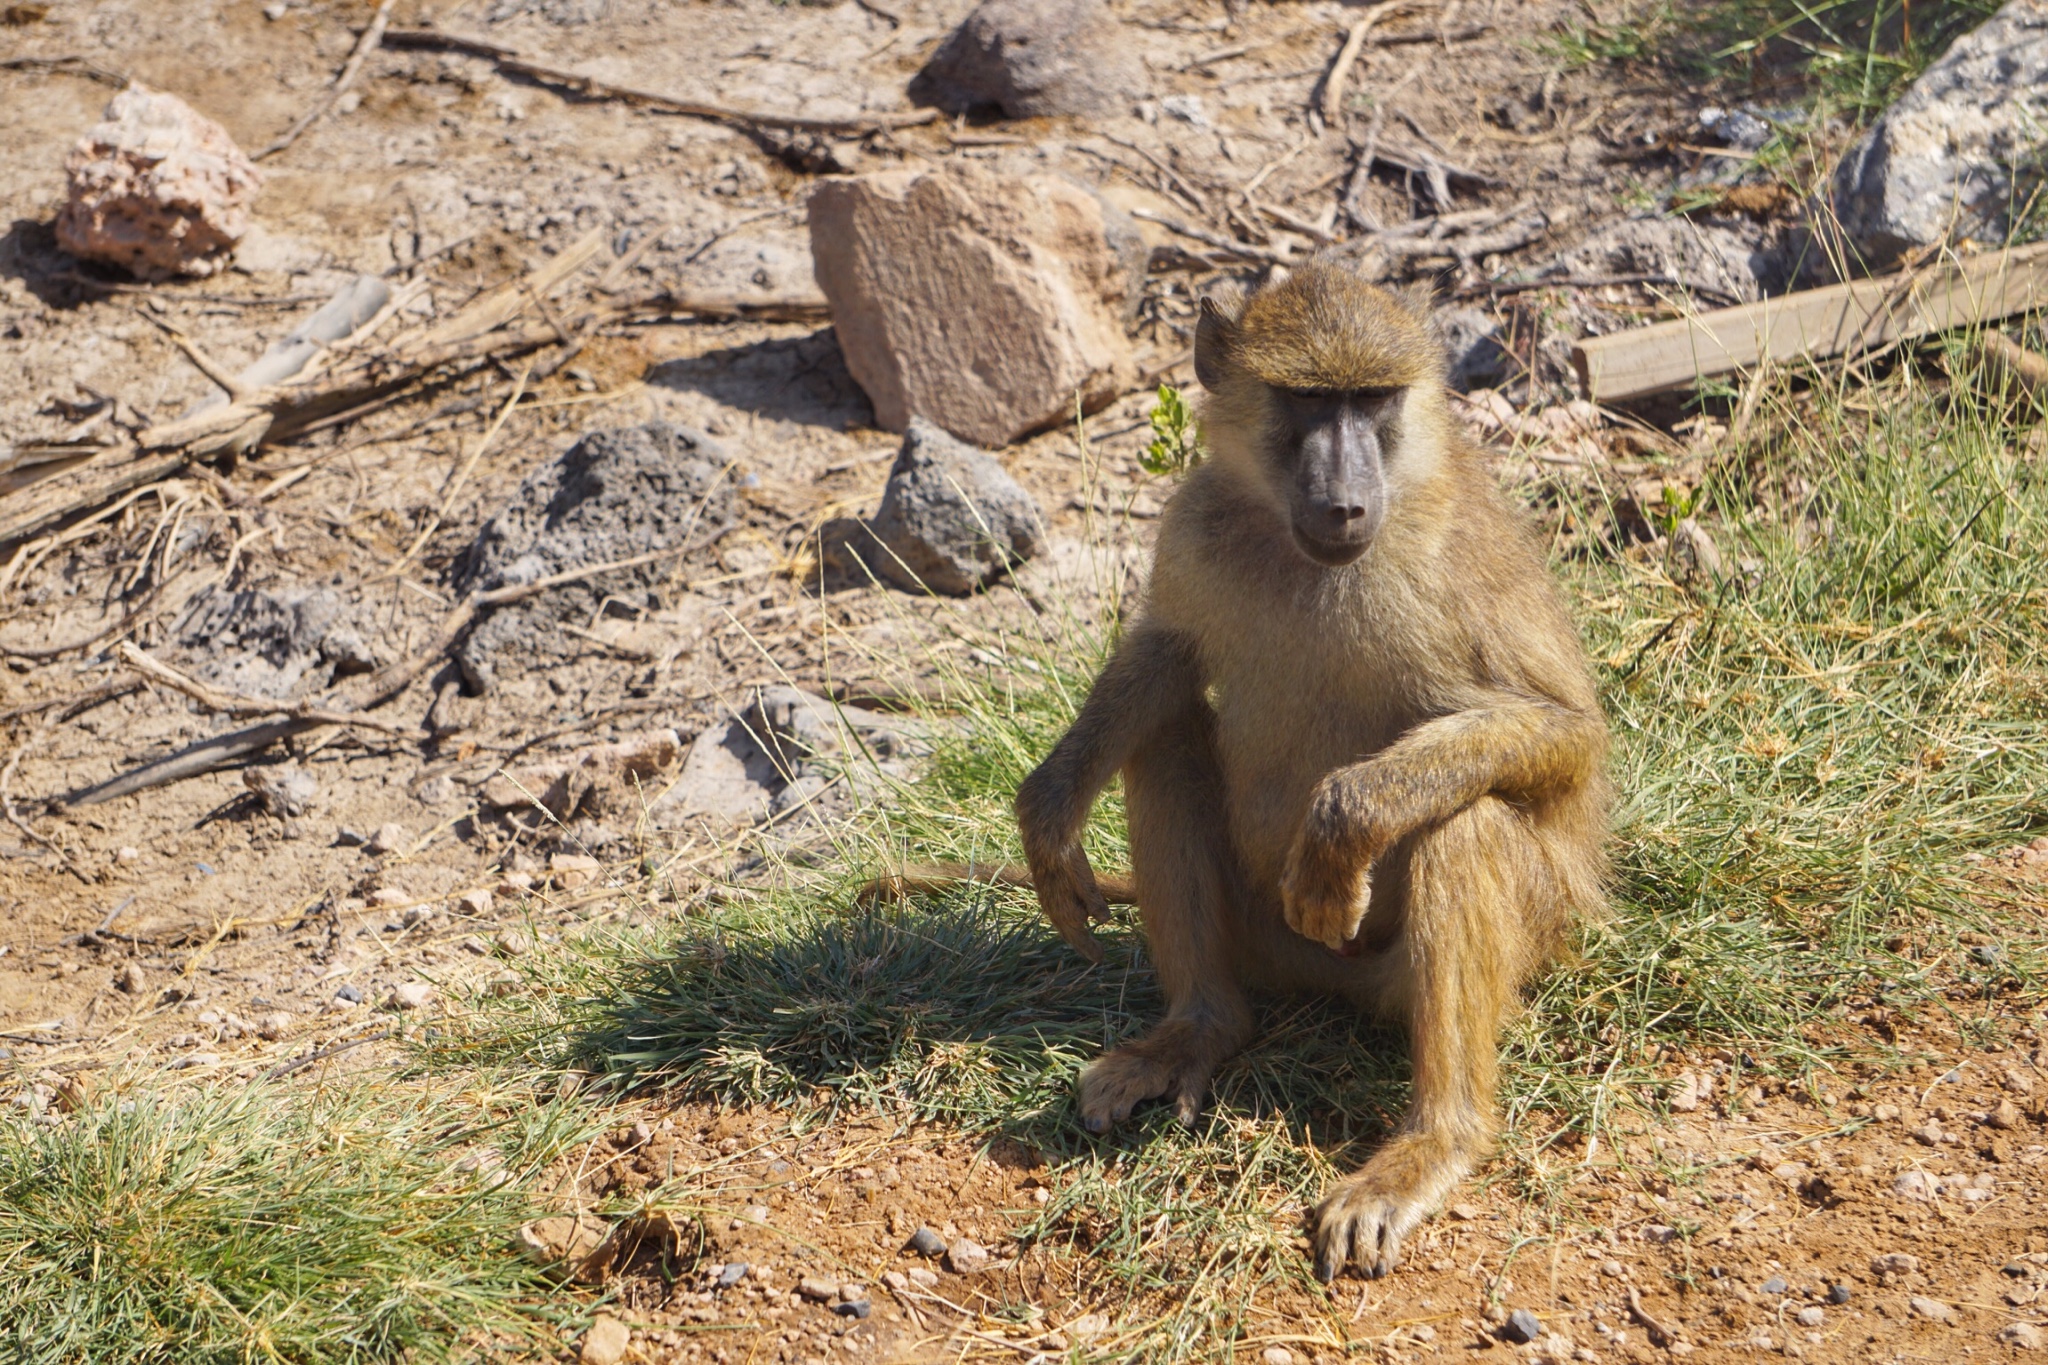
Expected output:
(1474, 348)
(1033, 59)
(952, 519)
(614, 495)
(1960, 152)
(156, 188)
(984, 302)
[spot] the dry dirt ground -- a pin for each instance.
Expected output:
(186, 927)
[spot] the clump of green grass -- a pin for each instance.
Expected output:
(1844, 58)
(229, 1226)
(1807, 750)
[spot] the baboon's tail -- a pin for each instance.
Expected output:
(923, 879)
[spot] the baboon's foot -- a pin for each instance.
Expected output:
(1363, 1219)
(1174, 1061)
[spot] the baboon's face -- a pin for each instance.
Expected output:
(1330, 455)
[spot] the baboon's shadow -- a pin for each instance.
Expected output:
(964, 1009)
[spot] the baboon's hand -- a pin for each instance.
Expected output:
(1327, 881)
(1070, 898)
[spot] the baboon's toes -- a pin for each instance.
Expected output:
(1097, 1124)
(1363, 1227)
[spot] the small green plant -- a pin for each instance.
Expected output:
(1173, 448)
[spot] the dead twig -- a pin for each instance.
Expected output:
(508, 59)
(1660, 1335)
(365, 45)
(1340, 69)
(1216, 239)
(2005, 358)
(300, 1064)
(235, 704)
(66, 66)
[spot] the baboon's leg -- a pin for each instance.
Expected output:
(1455, 968)
(1185, 871)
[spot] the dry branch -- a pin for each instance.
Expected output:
(2005, 358)
(365, 45)
(1340, 69)
(508, 59)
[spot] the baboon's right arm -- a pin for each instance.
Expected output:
(1150, 680)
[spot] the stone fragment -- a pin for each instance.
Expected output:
(513, 942)
(922, 1277)
(854, 1308)
(1894, 1263)
(475, 903)
(2024, 1335)
(896, 1280)
(605, 1343)
(156, 188)
(284, 791)
(727, 779)
(1464, 1213)
(410, 995)
(349, 995)
(1915, 1185)
(131, 979)
(731, 1273)
(389, 898)
(569, 1246)
(981, 301)
(1033, 59)
(273, 1026)
(1934, 1310)
(965, 1256)
(952, 519)
(1959, 153)
(2005, 1114)
(1774, 1285)
(1276, 1355)
(1521, 1326)
(273, 642)
(1734, 263)
(1838, 1294)
(389, 838)
(568, 871)
(817, 1290)
(926, 1243)
(1811, 1316)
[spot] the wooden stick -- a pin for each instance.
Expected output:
(235, 704)
(1813, 324)
(365, 45)
(2005, 358)
(191, 761)
(1340, 70)
(509, 60)
(1215, 239)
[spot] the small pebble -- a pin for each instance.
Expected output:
(731, 1273)
(1276, 1355)
(922, 1278)
(1986, 953)
(1838, 1294)
(1894, 1263)
(1774, 1285)
(816, 1290)
(1811, 1317)
(926, 1243)
(131, 979)
(605, 1343)
(2024, 1335)
(389, 838)
(857, 1308)
(349, 995)
(1934, 1310)
(1521, 1327)
(965, 1256)
(514, 942)
(896, 1280)
(350, 838)
(411, 995)
(1612, 1269)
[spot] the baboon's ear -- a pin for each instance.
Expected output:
(1215, 335)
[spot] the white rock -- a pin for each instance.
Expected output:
(474, 903)
(389, 838)
(981, 301)
(1934, 1310)
(410, 995)
(605, 1343)
(156, 188)
(1940, 164)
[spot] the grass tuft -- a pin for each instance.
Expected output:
(229, 1226)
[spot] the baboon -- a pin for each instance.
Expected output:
(1361, 750)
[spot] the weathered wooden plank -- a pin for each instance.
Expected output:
(1858, 316)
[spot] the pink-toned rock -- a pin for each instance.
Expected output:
(980, 301)
(157, 188)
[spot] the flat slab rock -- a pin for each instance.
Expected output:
(1959, 153)
(156, 188)
(984, 302)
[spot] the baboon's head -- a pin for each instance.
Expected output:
(1328, 391)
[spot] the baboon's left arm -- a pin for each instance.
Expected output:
(1518, 747)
